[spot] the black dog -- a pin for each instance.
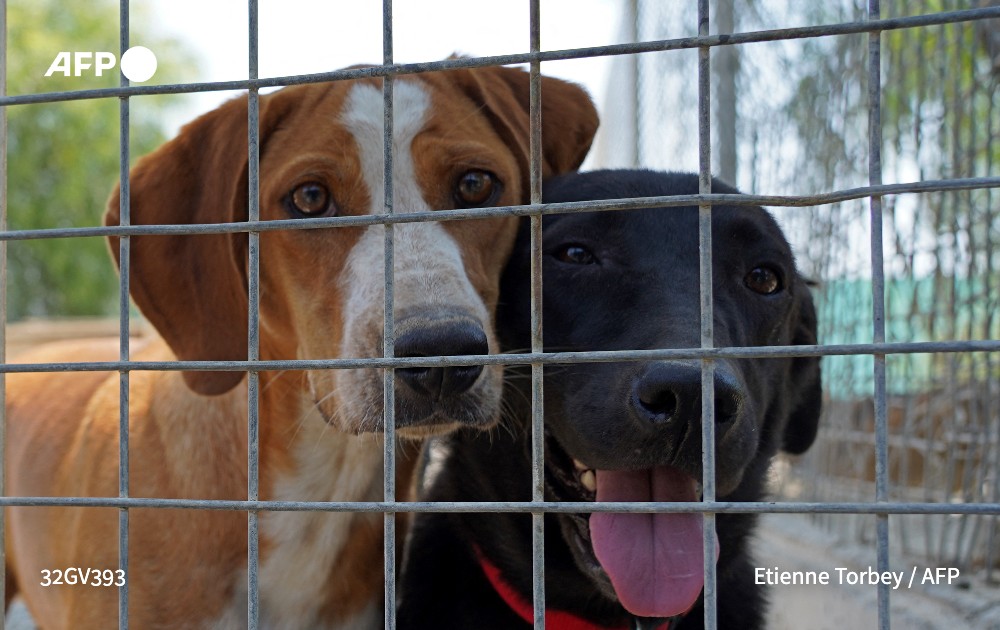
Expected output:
(624, 431)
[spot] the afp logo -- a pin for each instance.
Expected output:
(138, 64)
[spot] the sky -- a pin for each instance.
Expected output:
(306, 36)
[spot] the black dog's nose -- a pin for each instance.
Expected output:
(441, 339)
(670, 392)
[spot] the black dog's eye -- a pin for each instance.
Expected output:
(763, 280)
(312, 199)
(575, 255)
(476, 188)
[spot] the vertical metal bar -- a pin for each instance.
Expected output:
(707, 329)
(965, 119)
(956, 97)
(632, 63)
(3, 302)
(727, 69)
(388, 329)
(878, 307)
(992, 474)
(253, 326)
(537, 371)
(124, 248)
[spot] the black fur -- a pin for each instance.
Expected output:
(640, 292)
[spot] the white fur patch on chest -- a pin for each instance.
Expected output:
(429, 270)
(362, 115)
(303, 547)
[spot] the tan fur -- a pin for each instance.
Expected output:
(188, 431)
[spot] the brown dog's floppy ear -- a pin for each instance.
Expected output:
(807, 390)
(193, 288)
(569, 119)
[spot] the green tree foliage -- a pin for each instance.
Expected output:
(940, 119)
(63, 158)
(940, 87)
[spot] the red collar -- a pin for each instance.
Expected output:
(554, 619)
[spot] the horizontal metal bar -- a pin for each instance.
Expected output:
(602, 356)
(604, 205)
(571, 507)
(684, 43)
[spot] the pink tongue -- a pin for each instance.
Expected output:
(655, 561)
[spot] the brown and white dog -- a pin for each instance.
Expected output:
(460, 140)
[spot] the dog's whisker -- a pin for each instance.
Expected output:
(274, 378)
(304, 417)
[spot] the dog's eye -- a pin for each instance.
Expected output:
(763, 280)
(311, 199)
(476, 188)
(575, 255)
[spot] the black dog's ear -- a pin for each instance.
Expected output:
(807, 391)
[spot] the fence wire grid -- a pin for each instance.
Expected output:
(882, 348)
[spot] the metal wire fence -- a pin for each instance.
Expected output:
(880, 348)
(939, 89)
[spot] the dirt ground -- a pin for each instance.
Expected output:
(30, 333)
(792, 543)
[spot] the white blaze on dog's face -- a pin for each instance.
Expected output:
(430, 280)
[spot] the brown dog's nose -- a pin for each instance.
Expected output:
(441, 339)
(670, 393)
